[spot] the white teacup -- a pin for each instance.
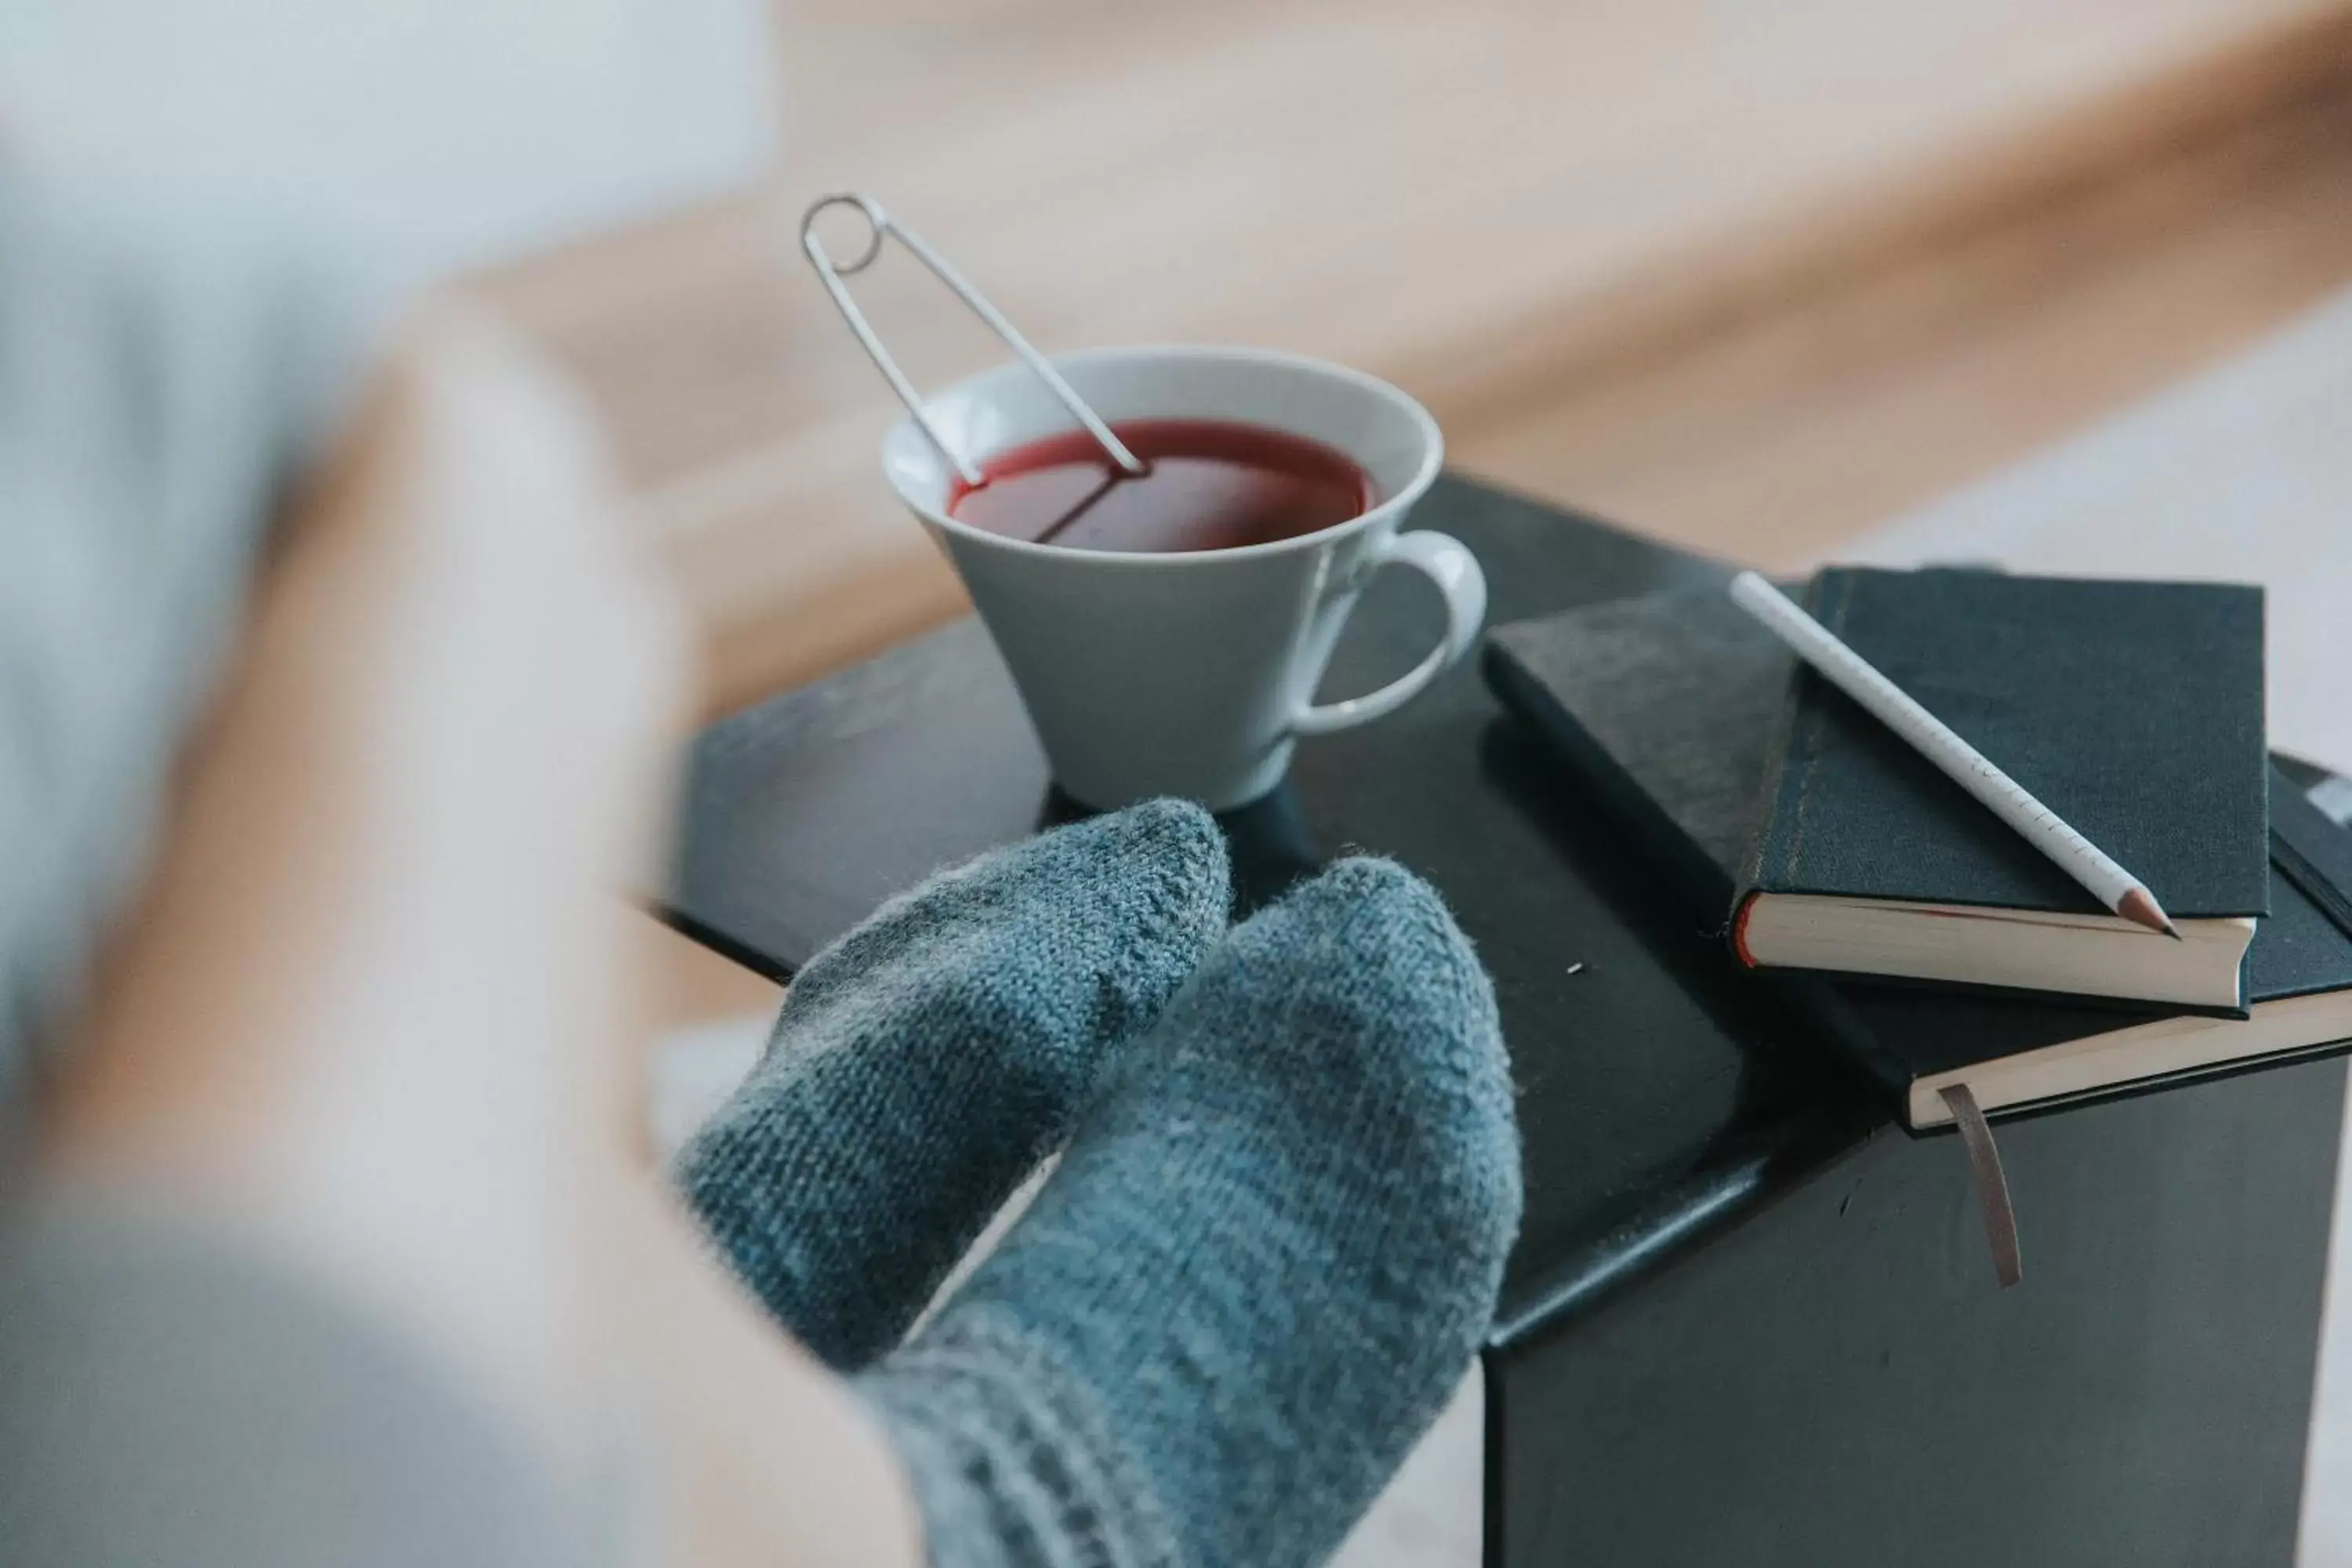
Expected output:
(1188, 673)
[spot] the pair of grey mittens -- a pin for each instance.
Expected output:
(1272, 1244)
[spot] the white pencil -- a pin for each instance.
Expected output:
(1847, 671)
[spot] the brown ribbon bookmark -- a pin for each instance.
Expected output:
(1992, 1182)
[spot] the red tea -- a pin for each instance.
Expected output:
(1207, 484)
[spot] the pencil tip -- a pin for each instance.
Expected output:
(2141, 907)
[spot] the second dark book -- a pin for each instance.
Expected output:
(2132, 710)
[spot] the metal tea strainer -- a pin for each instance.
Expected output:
(881, 226)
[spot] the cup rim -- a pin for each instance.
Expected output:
(1433, 456)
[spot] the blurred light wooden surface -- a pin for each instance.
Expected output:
(1747, 275)
(1777, 440)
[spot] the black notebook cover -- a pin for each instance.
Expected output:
(2132, 710)
(1666, 710)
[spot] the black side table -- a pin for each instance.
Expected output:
(1748, 1321)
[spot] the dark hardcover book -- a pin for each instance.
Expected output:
(1666, 712)
(2132, 710)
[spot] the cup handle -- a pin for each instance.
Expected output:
(1447, 563)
